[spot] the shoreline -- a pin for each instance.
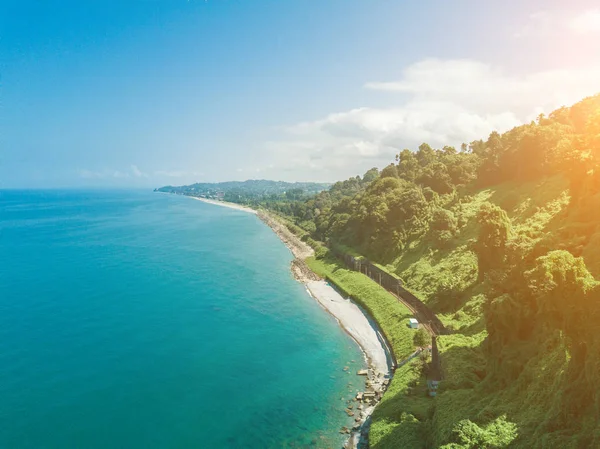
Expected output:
(355, 322)
(376, 354)
(349, 316)
(225, 204)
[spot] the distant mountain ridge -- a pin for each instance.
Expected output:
(248, 191)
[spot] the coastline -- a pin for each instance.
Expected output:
(226, 204)
(351, 318)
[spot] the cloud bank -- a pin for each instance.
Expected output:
(441, 102)
(551, 23)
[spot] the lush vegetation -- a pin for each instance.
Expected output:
(391, 315)
(272, 194)
(501, 238)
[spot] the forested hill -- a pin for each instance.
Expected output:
(501, 238)
(251, 192)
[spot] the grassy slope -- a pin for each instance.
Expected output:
(447, 280)
(397, 421)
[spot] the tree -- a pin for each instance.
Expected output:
(443, 226)
(408, 165)
(496, 435)
(435, 175)
(568, 297)
(294, 194)
(560, 283)
(494, 232)
(425, 155)
(389, 172)
(449, 150)
(422, 338)
(371, 175)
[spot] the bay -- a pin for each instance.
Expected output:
(134, 319)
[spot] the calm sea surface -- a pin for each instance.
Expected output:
(141, 320)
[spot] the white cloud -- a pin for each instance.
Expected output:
(137, 172)
(447, 102)
(586, 22)
(556, 23)
(480, 87)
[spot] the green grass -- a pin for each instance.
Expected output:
(391, 315)
(398, 419)
(446, 279)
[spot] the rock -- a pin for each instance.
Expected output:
(362, 372)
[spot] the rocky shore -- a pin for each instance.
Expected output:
(352, 319)
(299, 249)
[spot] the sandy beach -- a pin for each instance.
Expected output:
(351, 319)
(226, 204)
(346, 312)
(354, 322)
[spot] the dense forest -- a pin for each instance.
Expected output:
(501, 238)
(252, 192)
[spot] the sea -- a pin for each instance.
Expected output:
(134, 319)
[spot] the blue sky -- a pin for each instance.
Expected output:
(147, 93)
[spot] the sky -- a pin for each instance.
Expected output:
(154, 92)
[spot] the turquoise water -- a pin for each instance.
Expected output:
(142, 320)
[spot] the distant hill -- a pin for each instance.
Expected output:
(249, 192)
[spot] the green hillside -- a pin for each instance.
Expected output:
(253, 192)
(501, 239)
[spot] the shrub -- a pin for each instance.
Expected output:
(496, 435)
(422, 338)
